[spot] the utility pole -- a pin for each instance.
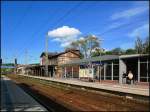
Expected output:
(26, 57)
(15, 65)
(1, 61)
(26, 60)
(100, 63)
(46, 58)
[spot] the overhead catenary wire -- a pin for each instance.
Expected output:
(66, 14)
(20, 21)
(28, 9)
(55, 24)
(121, 26)
(112, 29)
(62, 18)
(33, 35)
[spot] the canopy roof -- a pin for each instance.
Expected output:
(99, 58)
(103, 58)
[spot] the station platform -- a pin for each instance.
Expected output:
(123, 88)
(13, 98)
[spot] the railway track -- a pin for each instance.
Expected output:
(49, 104)
(62, 98)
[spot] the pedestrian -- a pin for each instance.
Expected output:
(124, 77)
(130, 76)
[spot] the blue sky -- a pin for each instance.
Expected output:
(24, 25)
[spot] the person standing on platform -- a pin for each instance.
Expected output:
(130, 76)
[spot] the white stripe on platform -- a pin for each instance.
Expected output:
(20, 101)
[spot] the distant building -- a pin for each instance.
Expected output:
(55, 60)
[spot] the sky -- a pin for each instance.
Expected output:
(25, 25)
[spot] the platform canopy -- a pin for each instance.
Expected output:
(93, 60)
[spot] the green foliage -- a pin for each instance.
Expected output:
(35, 64)
(117, 51)
(108, 52)
(8, 64)
(146, 46)
(6, 70)
(139, 45)
(96, 53)
(89, 44)
(130, 51)
(86, 45)
(142, 47)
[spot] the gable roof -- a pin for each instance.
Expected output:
(55, 54)
(49, 54)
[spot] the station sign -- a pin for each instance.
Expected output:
(90, 64)
(97, 63)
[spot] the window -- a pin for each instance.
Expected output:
(116, 72)
(143, 72)
(102, 73)
(108, 72)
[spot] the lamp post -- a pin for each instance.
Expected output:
(100, 69)
(46, 53)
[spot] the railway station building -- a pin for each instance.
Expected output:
(111, 67)
(107, 67)
(54, 61)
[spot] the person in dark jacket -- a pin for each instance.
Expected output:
(124, 77)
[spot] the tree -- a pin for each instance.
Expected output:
(146, 46)
(117, 51)
(108, 53)
(74, 45)
(92, 44)
(130, 51)
(139, 45)
(96, 52)
(86, 45)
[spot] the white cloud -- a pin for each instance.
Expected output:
(65, 35)
(93, 36)
(129, 13)
(81, 38)
(122, 17)
(67, 43)
(141, 31)
(64, 31)
(116, 25)
(57, 39)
